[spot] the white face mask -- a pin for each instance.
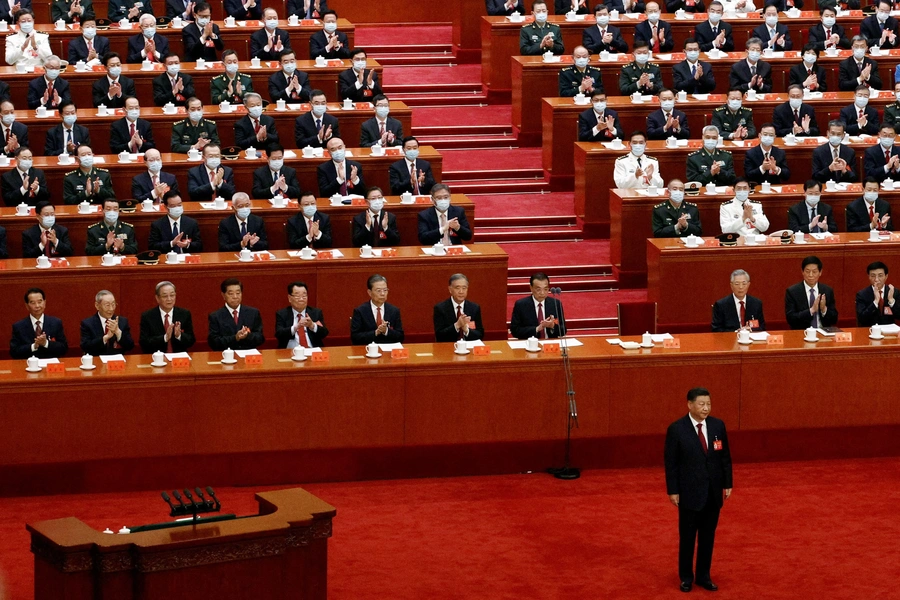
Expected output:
(714, 18)
(243, 213)
(897, 96)
(835, 140)
(667, 105)
(637, 149)
(111, 217)
(828, 22)
(309, 211)
(330, 27)
(771, 20)
(173, 70)
(741, 195)
(796, 103)
(196, 115)
(319, 109)
(676, 196)
(411, 154)
(176, 211)
(861, 101)
(870, 197)
(734, 104)
(202, 22)
(276, 164)
(359, 65)
(375, 206)
(653, 17)
(442, 205)
(52, 74)
(255, 111)
(213, 163)
(271, 24)
(149, 32)
(9, 119)
(710, 144)
(133, 114)
(231, 68)
(812, 200)
(809, 59)
(604, 20)
(859, 53)
(767, 140)
(339, 155)
(887, 142)
(692, 55)
(154, 166)
(289, 68)
(581, 62)
(86, 161)
(881, 16)
(48, 222)
(89, 33)
(382, 111)
(26, 27)
(540, 17)
(115, 72)
(25, 163)
(642, 59)
(601, 106)
(753, 55)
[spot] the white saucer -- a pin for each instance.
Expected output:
(369, 256)
(464, 352)
(710, 193)
(650, 345)
(871, 337)
(803, 242)
(105, 265)
(33, 369)
(298, 359)
(871, 240)
(158, 365)
(527, 350)
(88, 368)
(747, 343)
(810, 341)
(245, 260)
(313, 257)
(40, 267)
(229, 362)
(285, 109)
(379, 355)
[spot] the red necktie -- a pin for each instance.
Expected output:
(90, 46)
(155, 181)
(381, 128)
(880, 303)
(344, 182)
(256, 125)
(462, 333)
(131, 129)
(655, 39)
(871, 212)
(702, 439)
(378, 320)
(861, 114)
(827, 34)
(166, 327)
(6, 135)
(887, 156)
(38, 330)
(312, 239)
(235, 313)
(743, 314)
(301, 333)
(540, 317)
(413, 179)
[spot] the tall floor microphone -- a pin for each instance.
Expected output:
(566, 471)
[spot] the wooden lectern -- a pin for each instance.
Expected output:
(280, 553)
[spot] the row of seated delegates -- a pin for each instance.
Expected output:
(79, 11)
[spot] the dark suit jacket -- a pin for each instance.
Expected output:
(817, 36)
(783, 119)
(371, 133)
(498, 8)
(675, 5)
(799, 73)
(318, 42)
(697, 477)
(858, 215)
(136, 46)
(4, 91)
(31, 242)
(798, 217)
(796, 307)
(92, 337)
(445, 319)
(3, 252)
(236, 9)
(23, 337)
(20, 130)
(657, 120)
(162, 90)
(429, 228)
(55, 144)
(11, 184)
(753, 160)
(119, 136)
(849, 115)
(78, 49)
(400, 181)
(306, 134)
(618, 5)
(347, 86)
(60, 10)
(849, 73)
(740, 76)
(193, 49)
(524, 318)
(100, 91)
(643, 32)
(762, 32)
(118, 9)
(327, 177)
(681, 74)
(593, 41)
(153, 334)
(176, 8)
(873, 162)
(199, 188)
(362, 325)
(867, 313)
(587, 120)
(704, 36)
(362, 236)
(222, 329)
(284, 320)
(263, 182)
(230, 233)
(564, 6)
(161, 235)
(142, 185)
(260, 39)
(870, 28)
(295, 7)
(297, 230)
(37, 87)
(726, 318)
(278, 83)
(245, 136)
(822, 158)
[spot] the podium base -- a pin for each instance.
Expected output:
(565, 472)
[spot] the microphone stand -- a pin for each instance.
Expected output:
(566, 471)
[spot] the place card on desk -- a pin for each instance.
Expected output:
(430, 251)
(334, 253)
(172, 356)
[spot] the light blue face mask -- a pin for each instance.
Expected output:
(338, 155)
(243, 213)
(111, 217)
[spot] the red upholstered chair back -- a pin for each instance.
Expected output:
(636, 318)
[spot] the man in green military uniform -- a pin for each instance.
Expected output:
(641, 75)
(195, 131)
(87, 183)
(733, 121)
(231, 86)
(711, 165)
(111, 235)
(892, 110)
(540, 36)
(675, 217)
(579, 78)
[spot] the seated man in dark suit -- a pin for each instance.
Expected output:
(766, 162)
(68, 135)
(307, 9)
(243, 9)
(316, 128)
(289, 84)
(309, 227)
(89, 46)
(201, 37)
(166, 327)
(329, 43)
(598, 124)
(504, 8)
(858, 69)
(24, 183)
(243, 229)
(234, 325)
(655, 32)
(38, 334)
(147, 45)
(751, 73)
(105, 332)
(443, 223)
(578, 7)
(869, 212)
(833, 160)
(538, 315)
(773, 34)
(375, 226)
(173, 86)
(130, 10)
(376, 320)
(883, 159)
(13, 135)
(738, 310)
(411, 174)
(691, 6)
(299, 324)
(580, 77)
(46, 238)
(49, 90)
(131, 133)
(274, 178)
(359, 83)
(175, 232)
(828, 34)
(211, 179)
(254, 129)
(71, 11)
(667, 122)
(381, 129)
(876, 303)
(112, 89)
(795, 116)
(338, 175)
(714, 32)
(810, 303)
(692, 75)
(881, 29)
(457, 318)
(269, 42)
(806, 73)
(859, 117)
(811, 216)
(183, 9)
(603, 36)
(153, 183)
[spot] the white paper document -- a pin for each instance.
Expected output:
(659, 338)
(105, 358)
(173, 355)
(246, 353)
(430, 251)
(43, 362)
(389, 347)
(296, 253)
(759, 336)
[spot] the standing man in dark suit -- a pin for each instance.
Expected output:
(765, 161)
(504, 8)
(603, 36)
(24, 183)
(243, 229)
(751, 73)
(38, 334)
(833, 160)
(68, 135)
(254, 129)
(714, 32)
(655, 32)
(858, 69)
(598, 124)
(105, 332)
(147, 45)
(338, 175)
(112, 89)
(869, 212)
(382, 128)
(201, 36)
(538, 315)
(49, 90)
(795, 116)
(309, 227)
(234, 325)
(316, 128)
(667, 121)
(810, 303)
(883, 159)
(881, 29)
(411, 174)
(13, 135)
(810, 215)
(153, 183)
(773, 34)
(375, 226)
(876, 303)
(443, 223)
(269, 42)
(739, 309)
(243, 9)
(307, 9)
(166, 327)
(175, 232)
(46, 238)
(89, 46)
(359, 83)
(289, 84)
(828, 34)
(131, 133)
(376, 320)
(329, 43)
(299, 324)
(692, 75)
(274, 178)
(210, 179)
(457, 318)
(172, 86)
(698, 481)
(859, 117)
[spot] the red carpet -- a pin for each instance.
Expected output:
(807, 530)
(462, 116)
(403, 36)
(518, 205)
(397, 76)
(494, 159)
(544, 254)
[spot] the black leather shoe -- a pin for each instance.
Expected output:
(708, 585)
(686, 586)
